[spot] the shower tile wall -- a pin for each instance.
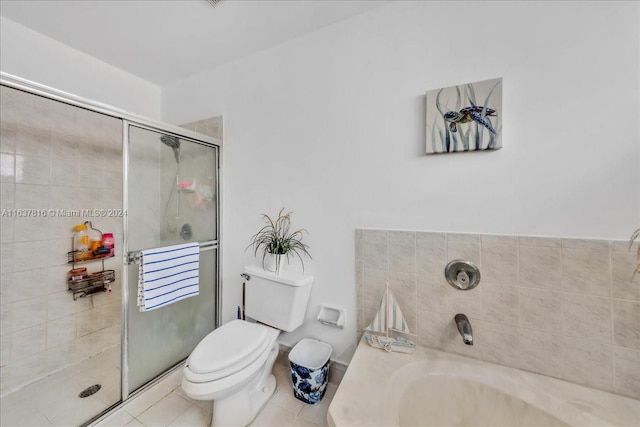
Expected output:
(211, 127)
(567, 308)
(60, 157)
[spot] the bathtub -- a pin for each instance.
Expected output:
(434, 388)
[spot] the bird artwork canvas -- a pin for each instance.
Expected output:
(467, 117)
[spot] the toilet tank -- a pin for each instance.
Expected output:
(276, 300)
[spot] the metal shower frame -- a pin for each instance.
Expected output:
(143, 122)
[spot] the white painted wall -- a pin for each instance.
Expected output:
(30, 55)
(331, 126)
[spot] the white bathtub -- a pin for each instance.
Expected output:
(434, 388)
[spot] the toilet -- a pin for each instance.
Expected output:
(232, 365)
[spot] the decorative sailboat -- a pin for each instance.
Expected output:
(389, 318)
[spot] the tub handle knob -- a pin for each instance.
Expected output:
(462, 275)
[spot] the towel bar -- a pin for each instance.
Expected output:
(133, 257)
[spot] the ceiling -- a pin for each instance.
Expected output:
(163, 41)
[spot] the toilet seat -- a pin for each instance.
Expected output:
(228, 350)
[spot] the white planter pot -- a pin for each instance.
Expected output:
(275, 263)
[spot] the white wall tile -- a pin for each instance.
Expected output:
(624, 283)
(586, 271)
(7, 195)
(541, 309)
(589, 363)
(587, 316)
(6, 288)
(540, 267)
(375, 249)
(431, 293)
(463, 238)
(5, 349)
(30, 255)
(500, 304)
(6, 258)
(7, 168)
(431, 256)
(30, 229)
(29, 284)
(61, 331)
(540, 352)
(464, 251)
(374, 283)
(27, 369)
(6, 315)
(28, 342)
(64, 172)
(499, 264)
(32, 169)
(626, 323)
(493, 239)
(29, 196)
(467, 302)
(87, 322)
(550, 242)
(402, 252)
(7, 136)
(28, 313)
(57, 278)
(60, 304)
(598, 245)
(501, 343)
(626, 364)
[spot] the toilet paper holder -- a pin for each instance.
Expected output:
(331, 316)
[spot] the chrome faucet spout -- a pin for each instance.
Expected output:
(464, 327)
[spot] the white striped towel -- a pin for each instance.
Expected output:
(167, 275)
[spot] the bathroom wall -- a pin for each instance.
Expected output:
(330, 125)
(567, 308)
(36, 57)
(56, 158)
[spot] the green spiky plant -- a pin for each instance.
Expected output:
(276, 238)
(635, 236)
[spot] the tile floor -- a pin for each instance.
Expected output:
(54, 401)
(166, 405)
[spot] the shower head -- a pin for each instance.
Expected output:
(174, 143)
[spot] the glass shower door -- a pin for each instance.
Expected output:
(172, 185)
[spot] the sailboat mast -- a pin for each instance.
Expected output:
(386, 310)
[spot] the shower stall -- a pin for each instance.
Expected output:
(65, 160)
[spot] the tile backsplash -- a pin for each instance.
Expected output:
(566, 308)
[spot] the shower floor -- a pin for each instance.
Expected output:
(54, 401)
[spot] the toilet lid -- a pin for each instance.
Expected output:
(227, 346)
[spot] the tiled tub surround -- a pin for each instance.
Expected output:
(53, 156)
(566, 308)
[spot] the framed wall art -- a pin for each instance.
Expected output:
(466, 117)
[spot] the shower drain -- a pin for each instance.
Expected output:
(90, 390)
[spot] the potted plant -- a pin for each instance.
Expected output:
(277, 241)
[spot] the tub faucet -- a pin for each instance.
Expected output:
(464, 327)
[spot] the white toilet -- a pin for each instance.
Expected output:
(232, 365)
